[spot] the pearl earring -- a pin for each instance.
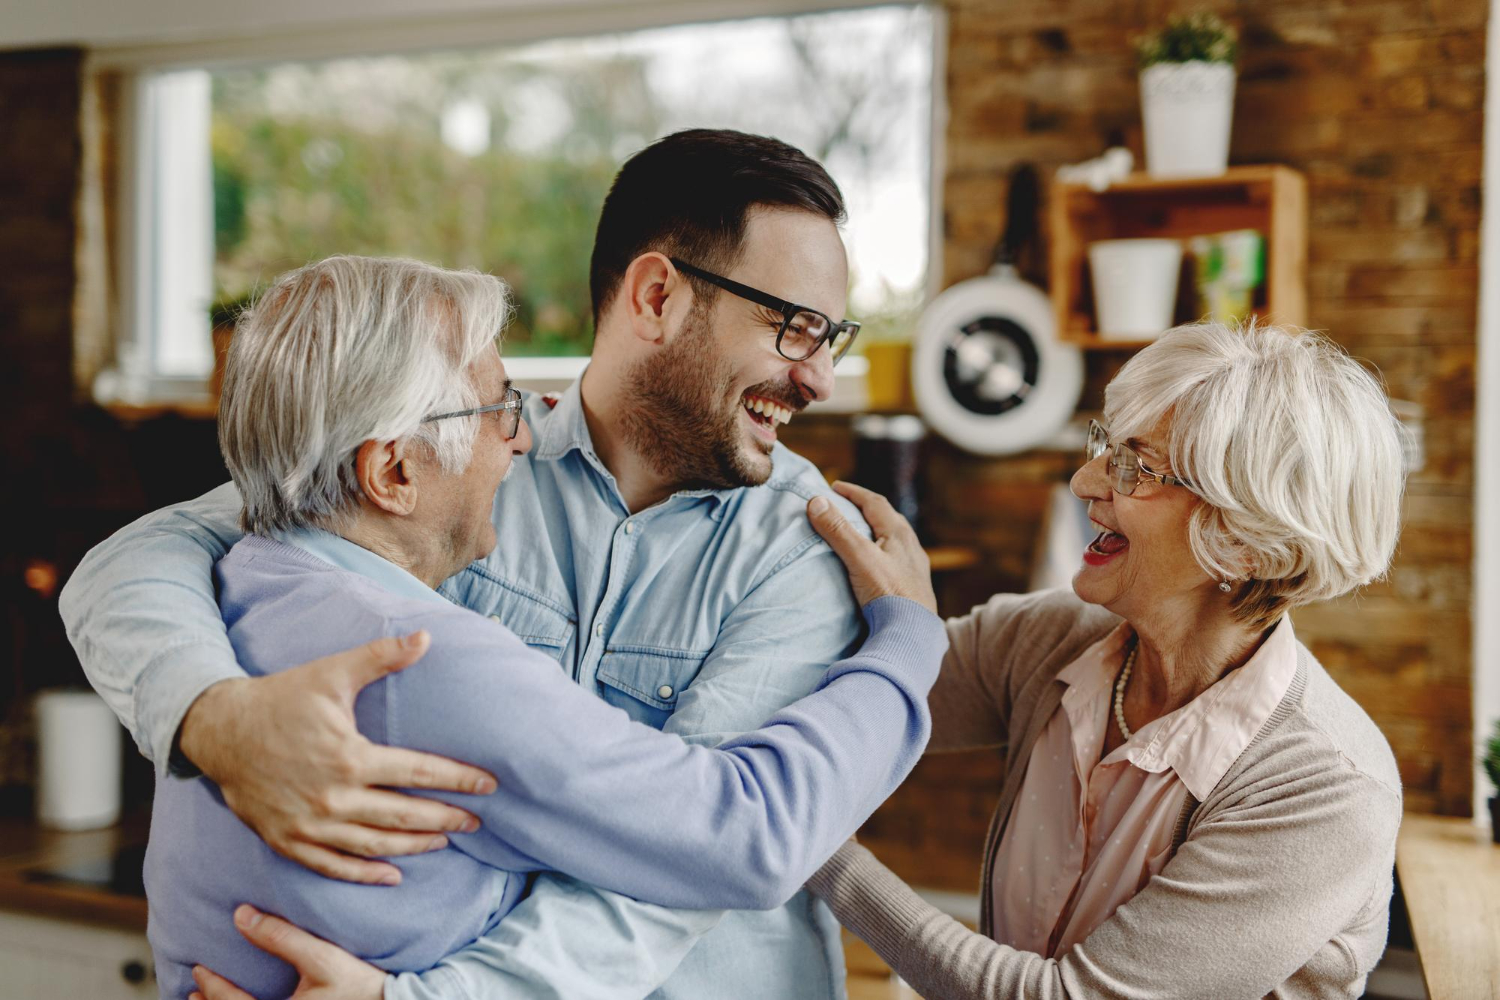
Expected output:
(1224, 586)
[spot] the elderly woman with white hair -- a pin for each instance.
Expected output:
(1191, 806)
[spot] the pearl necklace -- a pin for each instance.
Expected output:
(1120, 692)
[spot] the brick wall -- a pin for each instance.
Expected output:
(39, 175)
(72, 473)
(1379, 104)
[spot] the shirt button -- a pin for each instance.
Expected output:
(665, 691)
(599, 629)
(496, 618)
(629, 527)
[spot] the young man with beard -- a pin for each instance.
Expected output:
(654, 542)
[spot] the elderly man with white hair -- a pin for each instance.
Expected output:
(367, 422)
(1191, 806)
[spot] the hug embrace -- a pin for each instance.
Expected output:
(458, 692)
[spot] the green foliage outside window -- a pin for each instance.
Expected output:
(351, 156)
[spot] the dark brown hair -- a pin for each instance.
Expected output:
(687, 196)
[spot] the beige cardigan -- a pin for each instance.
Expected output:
(1280, 884)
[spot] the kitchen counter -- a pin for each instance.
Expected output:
(1450, 875)
(24, 847)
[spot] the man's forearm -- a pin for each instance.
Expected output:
(193, 747)
(141, 614)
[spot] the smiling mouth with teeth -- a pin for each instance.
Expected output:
(766, 412)
(1105, 546)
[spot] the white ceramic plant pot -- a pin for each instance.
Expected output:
(1187, 109)
(1135, 286)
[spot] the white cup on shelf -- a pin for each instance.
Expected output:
(1135, 286)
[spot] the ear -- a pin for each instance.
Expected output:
(656, 297)
(387, 476)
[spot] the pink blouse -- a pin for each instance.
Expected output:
(1087, 834)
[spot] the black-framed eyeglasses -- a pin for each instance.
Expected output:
(509, 410)
(803, 330)
(1124, 465)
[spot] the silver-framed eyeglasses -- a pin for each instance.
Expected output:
(1124, 465)
(509, 409)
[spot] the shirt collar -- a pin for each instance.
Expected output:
(1202, 739)
(346, 555)
(565, 428)
(1096, 668)
(562, 428)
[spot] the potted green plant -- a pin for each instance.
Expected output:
(1491, 761)
(1187, 95)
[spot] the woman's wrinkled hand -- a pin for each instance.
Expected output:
(893, 565)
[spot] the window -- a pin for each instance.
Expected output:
(499, 159)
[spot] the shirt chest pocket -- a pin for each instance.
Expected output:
(645, 682)
(541, 626)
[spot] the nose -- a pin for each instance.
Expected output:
(521, 443)
(814, 377)
(1091, 482)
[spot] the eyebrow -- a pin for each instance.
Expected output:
(1138, 445)
(505, 389)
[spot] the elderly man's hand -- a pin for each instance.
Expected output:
(289, 761)
(328, 972)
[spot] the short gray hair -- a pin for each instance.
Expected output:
(342, 351)
(1293, 445)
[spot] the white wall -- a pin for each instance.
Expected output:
(1487, 429)
(29, 23)
(166, 33)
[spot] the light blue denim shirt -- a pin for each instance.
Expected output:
(701, 615)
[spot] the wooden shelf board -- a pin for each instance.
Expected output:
(1144, 182)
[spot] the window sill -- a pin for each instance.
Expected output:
(556, 374)
(132, 399)
(190, 399)
(134, 413)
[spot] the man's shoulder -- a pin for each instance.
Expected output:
(771, 519)
(289, 581)
(453, 628)
(781, 501)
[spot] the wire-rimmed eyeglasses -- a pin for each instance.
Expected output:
(1124, 465)
(509, 409)
(803, 329)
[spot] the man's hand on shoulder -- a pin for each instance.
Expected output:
(286, 754)
(327, 971)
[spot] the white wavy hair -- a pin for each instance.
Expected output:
(342, 351)
(1293, 445)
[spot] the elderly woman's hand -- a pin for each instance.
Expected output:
(893, 565)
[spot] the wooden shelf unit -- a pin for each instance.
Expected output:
(1271, 199)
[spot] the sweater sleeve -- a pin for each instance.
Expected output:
(585, 790)
(1247, 901)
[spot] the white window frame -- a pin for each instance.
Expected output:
(135, 381)
(1486, 592)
